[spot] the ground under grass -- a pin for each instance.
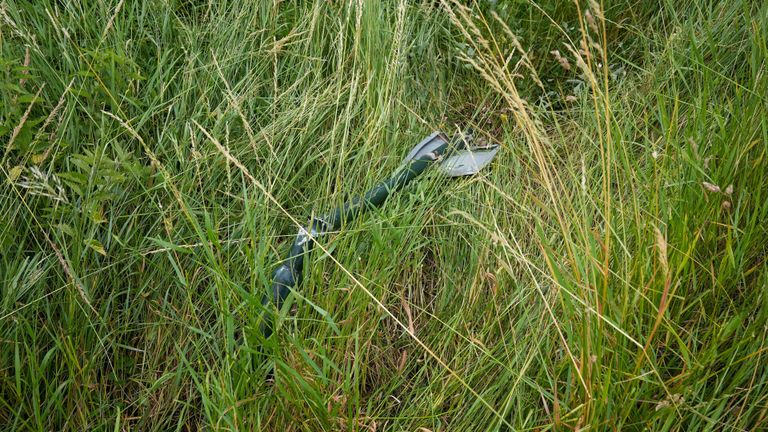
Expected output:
(607, 272)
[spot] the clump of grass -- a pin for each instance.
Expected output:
(607, 272)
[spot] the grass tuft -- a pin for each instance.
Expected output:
(607, 272)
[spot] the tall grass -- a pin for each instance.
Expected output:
(607, 272)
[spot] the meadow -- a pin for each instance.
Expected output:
(606, 272)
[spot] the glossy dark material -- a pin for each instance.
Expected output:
(289, 273)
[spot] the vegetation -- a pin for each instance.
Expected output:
(607, 272)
